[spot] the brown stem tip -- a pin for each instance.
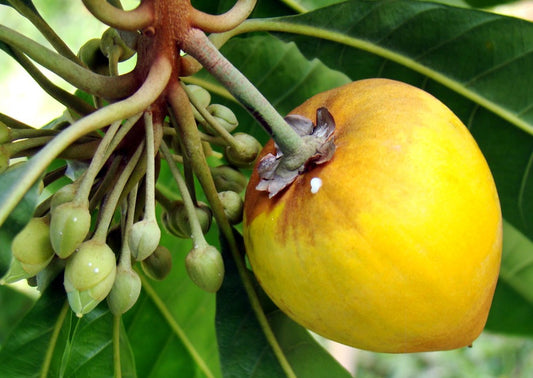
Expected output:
(278, 171)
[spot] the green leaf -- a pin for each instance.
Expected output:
(51, 339)
(514, 294)
(243, 347)
(307, 357)
(15, 305)
(171, 328)
(19, 217)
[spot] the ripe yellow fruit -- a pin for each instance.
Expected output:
(395, 244)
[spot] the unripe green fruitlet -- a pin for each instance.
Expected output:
(125, 291)
(233, 206)
(5, 133)
(228, 178)
(158, 265)
(202, 96)
(69, 226)
(63, 195)
(177, 220)
(144, 238)
(224, 115)
(32, 247)
(89, 276)
(205, 268)
(246, 155)
(4, 159)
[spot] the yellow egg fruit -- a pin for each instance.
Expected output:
(393, 245)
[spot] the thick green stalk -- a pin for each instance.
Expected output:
(98, 85)
(223, 22)
(70, 101)
(192, 144)
(199, 46)
(151, 89)
(114, 197)
(35, 18)
(196, 229)
(132, 20)
(149, 206)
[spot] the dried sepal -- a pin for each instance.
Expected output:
(275, 170)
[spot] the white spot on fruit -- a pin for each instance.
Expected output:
(316, 183)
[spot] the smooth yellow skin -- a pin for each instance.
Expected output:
(399, 249)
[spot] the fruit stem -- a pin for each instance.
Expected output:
(149, 207)
(150, 90)
(13, 123)
(189, 134)
(53, 340)
(132, 20)
(79, 76)
(105, 184)
(31, 133)
(111, 203)
(223, 22)
(224, 134)
(97, 162)
(69, 100)
(26, 144)
(35, 18)
(198, 45)
(196, 229)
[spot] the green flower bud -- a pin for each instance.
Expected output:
(69, 226)
(158, 265)
(224, 115)
(144, 238)
(228, 178)
(89, 276)
(233, 206)
(183, 224)
(176, 219)
(245, 156)
(5, 133)
(63, 195)
(4, 158)
(32, 251)
(125, 291)
(205, 268)
(110, 40)
(32, 247)
(202, 96)
(91, 55)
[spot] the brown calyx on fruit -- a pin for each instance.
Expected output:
(277, 171)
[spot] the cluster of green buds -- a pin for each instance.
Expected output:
(102, 227)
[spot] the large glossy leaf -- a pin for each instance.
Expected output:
(14, 305)
(243, 347)
(52, 341)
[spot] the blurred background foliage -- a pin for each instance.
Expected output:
(492, 356)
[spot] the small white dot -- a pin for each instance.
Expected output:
(316, 183)
(96, 270)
